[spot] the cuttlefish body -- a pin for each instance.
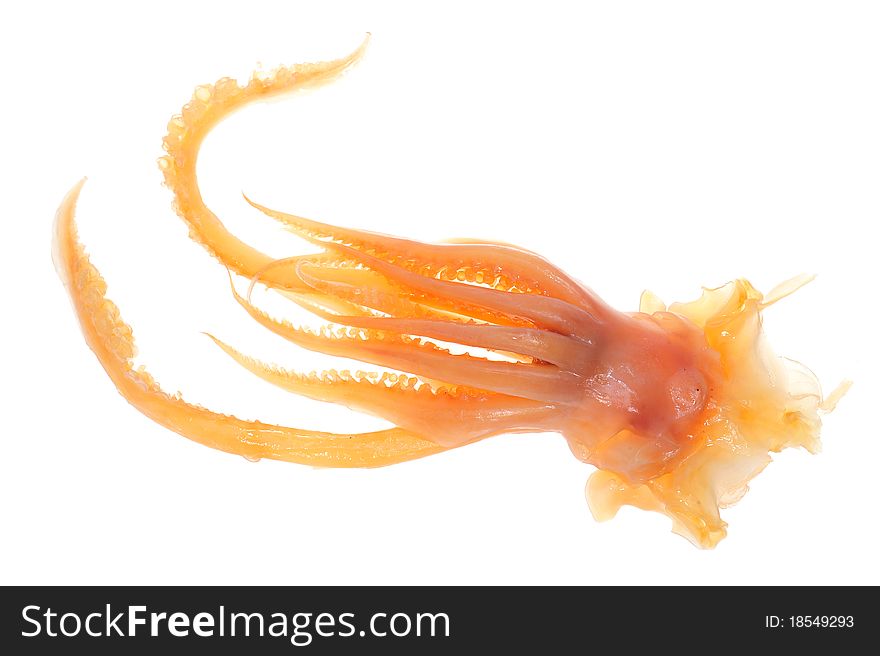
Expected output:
(677, 407)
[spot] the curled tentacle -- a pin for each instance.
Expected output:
(209, 105)
(112, 341)
(567, 308)
(678, 406)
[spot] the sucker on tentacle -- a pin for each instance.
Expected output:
(536, 381)
(209, 105)
(112, 341)
(678, 407)
(500, 266)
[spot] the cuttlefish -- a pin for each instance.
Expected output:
(677, 407)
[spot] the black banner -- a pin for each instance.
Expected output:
(335, 620)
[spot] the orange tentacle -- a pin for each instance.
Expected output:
(499, 266)
(347, 288)
(394, 296)
(451, 416)
(209, 106)
(564, 352)
(534, 381)
(112, 341)
(544, 311)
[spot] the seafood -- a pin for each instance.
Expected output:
(677, 406)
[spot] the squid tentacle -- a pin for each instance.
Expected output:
(381, 291)
(527, 380)
(309, 298)
(209, 105)
(500, 266)
(678, 407)
(544, 311)
(564, 352)
(112, 341)
(451, 416)
(352, 289)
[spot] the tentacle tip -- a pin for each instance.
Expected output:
(64, 237)
(231, 281)
(261, 208)
(363, 46)
(253, 203)
(74, 191)
(219, 342)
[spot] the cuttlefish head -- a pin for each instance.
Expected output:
(750, 403)
(647, 389)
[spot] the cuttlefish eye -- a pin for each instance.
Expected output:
(472, 339)
(687, 391)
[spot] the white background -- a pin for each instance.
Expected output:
(663, 145)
